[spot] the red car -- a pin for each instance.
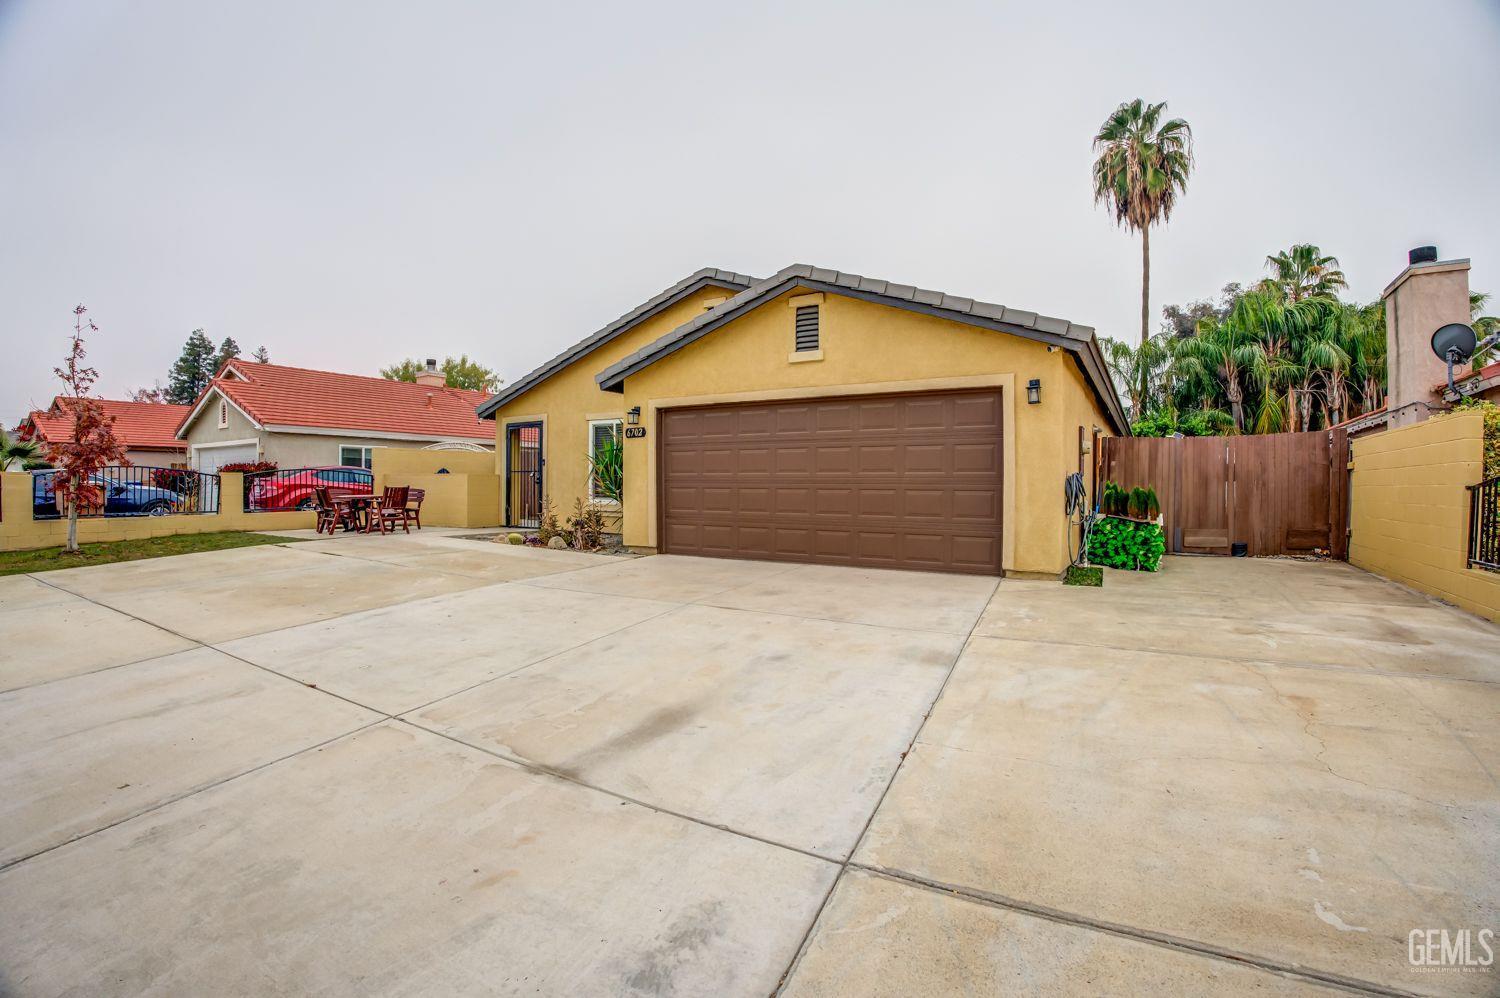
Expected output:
(293, 489)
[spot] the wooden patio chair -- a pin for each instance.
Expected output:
(328, 514)
(414, 499)
(389, 510)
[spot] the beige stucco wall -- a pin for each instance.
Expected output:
(468, 495)
(868, 348)
(1422, 299)
(155, 458)
(1409, 509)
(19, 532)
(565, 403)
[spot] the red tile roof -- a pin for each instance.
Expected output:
(1488, 371)
(1363, 415)
(138, 425)
(274, 395)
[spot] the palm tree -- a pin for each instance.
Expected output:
(15, 452)
(1483, 325)
(1303, 272)
(1141, 168)
(1230, 353)
(1138, 368)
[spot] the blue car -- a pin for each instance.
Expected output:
(121, 498)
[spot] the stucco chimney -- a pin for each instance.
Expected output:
(430, 376)
(1429, 293)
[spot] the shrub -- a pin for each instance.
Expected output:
(548, 527)
(1120, 543)
(587, 526)
(1491, 413)
(515, 539)
(1113, 500)
(248, 467)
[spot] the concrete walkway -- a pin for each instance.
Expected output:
(429, 765)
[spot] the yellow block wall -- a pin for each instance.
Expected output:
(866, 348)
(19, 532)
(565, 403)
(1409, 509)
(468, 496)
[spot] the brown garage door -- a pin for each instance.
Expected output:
(887, 481)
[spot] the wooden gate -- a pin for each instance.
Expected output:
(1276, 493)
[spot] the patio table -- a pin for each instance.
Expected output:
(358, 503)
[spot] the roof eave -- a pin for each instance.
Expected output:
(1084, 348)
(697, 281)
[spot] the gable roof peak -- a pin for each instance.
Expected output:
(703, 277)
(1076, 338)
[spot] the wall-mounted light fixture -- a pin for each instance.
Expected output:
(634, 415)
(1034, 391)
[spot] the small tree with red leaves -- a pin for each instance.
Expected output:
(93, 445)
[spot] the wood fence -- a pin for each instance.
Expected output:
(1277, 493)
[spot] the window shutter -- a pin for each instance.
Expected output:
(807, 327)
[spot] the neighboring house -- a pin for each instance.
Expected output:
(306, 419)
(147, 429)
(1482, 384)
(817, 416)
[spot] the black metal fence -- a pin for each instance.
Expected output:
(1484, 524)
(130, 490)
(294, 488)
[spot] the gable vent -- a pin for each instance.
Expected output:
(807, 327)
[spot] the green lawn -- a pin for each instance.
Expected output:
(104, 553)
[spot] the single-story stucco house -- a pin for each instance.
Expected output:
(147, 429)
(816, 416)
(301, 418)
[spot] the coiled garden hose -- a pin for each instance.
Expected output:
(1076, 503)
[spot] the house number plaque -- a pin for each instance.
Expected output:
(634, 432)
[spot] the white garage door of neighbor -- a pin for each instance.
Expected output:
(211, 459)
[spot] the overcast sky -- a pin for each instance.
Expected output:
(349, 183)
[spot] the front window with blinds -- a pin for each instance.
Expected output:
(606, 466)
(807, 328)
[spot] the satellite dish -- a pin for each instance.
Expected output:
(1454, 342)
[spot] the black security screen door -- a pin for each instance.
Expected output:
(523, 466)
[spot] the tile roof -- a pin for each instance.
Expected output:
(707, 277)
(1077, 339)
(277, 396)
(138, 425)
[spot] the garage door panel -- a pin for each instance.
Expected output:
(927, 503)
(926, 459)
(975, 459)
(975, 552)
(892, 481)
(879, 417)
(975, 504)
(976, 412)
(793, 502)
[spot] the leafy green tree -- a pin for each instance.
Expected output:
(261, 356)
(192, 370)
(228, 350)
(458, 372)
(1141, 168)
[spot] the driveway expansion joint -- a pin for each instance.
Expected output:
(1161, 939)
(791, 968)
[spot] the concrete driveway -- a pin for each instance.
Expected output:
(426, 765)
